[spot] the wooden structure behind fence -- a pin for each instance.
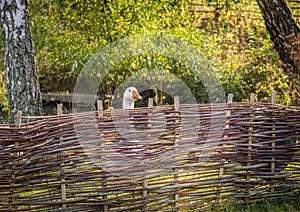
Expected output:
(213, 155)
(249, 9)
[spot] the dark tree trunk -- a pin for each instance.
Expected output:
(22, 81)
(284, 32)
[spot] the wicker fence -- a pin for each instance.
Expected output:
(176, 157)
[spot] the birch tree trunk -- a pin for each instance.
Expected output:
(284, 31)
(22, 81)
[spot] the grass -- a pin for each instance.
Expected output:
(287, 205)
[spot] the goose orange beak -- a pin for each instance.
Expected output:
(136, 95)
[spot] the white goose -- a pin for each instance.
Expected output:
(129, 97)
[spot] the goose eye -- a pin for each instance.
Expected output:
(129, 90)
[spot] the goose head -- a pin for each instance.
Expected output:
(129, 97)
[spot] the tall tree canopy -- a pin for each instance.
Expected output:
(23, 88)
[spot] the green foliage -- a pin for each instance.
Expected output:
(66, 34)
(3, 98)
(243, 54)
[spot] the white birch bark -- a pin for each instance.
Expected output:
(22, 81)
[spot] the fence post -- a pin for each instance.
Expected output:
(176, 195)
(273, 136)
(14, 163)
(145, 180)
(62, 168)
(102, 145)
(19, 119)
(100, 108)
(221, 169)
(249, 148)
